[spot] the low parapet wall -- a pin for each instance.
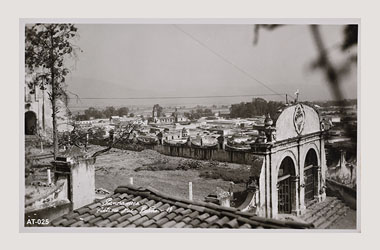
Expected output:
(346, 194)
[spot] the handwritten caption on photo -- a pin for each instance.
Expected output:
(114, 206)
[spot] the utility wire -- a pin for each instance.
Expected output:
(175, 97)
(228, 61)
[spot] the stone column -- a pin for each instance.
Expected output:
(295, 188)
(322, 173)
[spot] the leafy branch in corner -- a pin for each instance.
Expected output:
(121, 135)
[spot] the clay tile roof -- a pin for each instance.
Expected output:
(132, 206)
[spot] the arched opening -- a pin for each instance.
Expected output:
(286, 186)
(311, 175)
(30, 123)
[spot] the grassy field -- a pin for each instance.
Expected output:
(167, 174)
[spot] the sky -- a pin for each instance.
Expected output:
(196, 60)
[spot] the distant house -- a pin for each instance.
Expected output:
(224, 114)
(115, 119)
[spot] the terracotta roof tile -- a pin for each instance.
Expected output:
(58, 221)
(71, 215)
(68, 222)
(187, 220)
(233, 223)
(114, 216)
(77, 224)
(140, 221)
(171, 215)
(123, 224)
(197, 208)
(133, 218)
(195, 222)
(245, 226)
(148, 223)
(194, 214)
(180, 225)
(178, 218)
(179, 210)
(88, 218)
(158, 204)
(102, 223)
(94, 205)
(185, 212)
(136, 199)
(124, 217)
(211, 219)
(164, 207)
(111, 224)
(169, 224)
(222, 221)
(133, 206)
(93, 211)
(162, 221)
(204, 225)
(142, 208)
(204, 216)
(93, 220)
(160, 215)
(150, 203)
(151, 215)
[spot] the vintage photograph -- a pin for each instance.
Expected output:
(190, 125)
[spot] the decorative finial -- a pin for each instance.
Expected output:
(297, 94)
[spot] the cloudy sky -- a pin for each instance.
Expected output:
(192, 60)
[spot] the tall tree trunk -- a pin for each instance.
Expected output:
(53, 99)
(54, 116)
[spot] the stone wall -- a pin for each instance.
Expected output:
(212, 154)
(240, 157)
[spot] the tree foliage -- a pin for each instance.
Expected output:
(198, 113)
(105, 113)
(47, 49)
(47, 46)
(258, 106)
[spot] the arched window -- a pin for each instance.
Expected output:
(286, 188)
(311, 175)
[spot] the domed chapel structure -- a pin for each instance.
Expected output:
(289, 163)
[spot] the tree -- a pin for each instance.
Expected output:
(47, 49)
(123, 111)
(110, 111)
(121, 135)
(258, 106)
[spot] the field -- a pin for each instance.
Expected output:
(170, 175)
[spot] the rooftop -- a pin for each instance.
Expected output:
(131, 207)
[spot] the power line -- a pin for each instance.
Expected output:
(227, 61)
(176, 97)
